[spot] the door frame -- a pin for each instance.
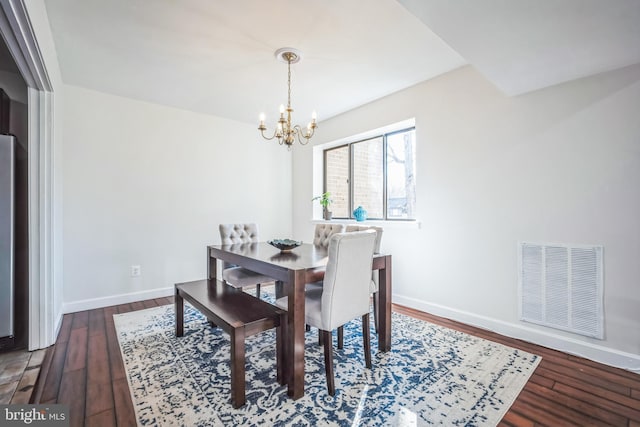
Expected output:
(18, 33)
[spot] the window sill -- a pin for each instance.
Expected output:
(403, 224)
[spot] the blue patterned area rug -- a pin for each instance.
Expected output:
(432, 375)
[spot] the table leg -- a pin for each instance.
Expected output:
(281, 334)
(212, 265)
(279, 289)
(179, 306)
(295, 331)
(384, 306)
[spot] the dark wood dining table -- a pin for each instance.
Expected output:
(304, 264)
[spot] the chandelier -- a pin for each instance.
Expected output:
(285, 132)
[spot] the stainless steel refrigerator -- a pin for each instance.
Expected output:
(8, 148)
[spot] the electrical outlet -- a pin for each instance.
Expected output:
(135, 271)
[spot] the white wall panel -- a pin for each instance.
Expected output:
(557, 165)
(148, 185)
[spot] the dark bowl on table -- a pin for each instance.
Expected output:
(285, 245)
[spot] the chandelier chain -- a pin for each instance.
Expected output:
(289, 83)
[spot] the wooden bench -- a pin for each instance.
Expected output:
(238, 314)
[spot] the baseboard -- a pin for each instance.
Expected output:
(90, 304)
(597, 353)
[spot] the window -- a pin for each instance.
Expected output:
(377, 173)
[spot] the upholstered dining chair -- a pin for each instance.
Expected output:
(374, 285)
(240, 277)
(323, 233)
(344, 295)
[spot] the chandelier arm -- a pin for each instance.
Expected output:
(312, 131)
(308, 132)
(311, 134)
(275, 134)
(298, 133)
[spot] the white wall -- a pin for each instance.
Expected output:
(148, 185)
(558, 165)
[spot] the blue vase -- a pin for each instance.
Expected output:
(360, 214)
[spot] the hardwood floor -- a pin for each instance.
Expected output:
(84, 370)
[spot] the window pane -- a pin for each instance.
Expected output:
(401, 183)
(337, 180)
(368, 177)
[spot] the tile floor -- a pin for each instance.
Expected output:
(18, 374)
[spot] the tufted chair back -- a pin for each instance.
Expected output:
(233, 234)
(324, 232)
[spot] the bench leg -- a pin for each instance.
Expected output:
(258, 291)
(237, 368)
(179, 306)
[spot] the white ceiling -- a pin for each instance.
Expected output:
(216, 57)
(525, 45)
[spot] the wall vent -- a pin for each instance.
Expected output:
(561, 286)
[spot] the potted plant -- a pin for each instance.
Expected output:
(325, 202)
